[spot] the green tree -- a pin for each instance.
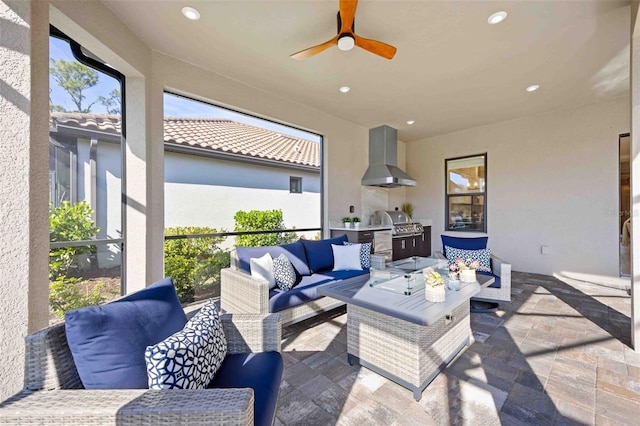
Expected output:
(261, 220)
(74, 78)
(113, 103)
(194, 263)
(53, 107)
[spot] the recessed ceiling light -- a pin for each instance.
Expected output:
(410, 122)
(345, 89)
(497, 17)
(190, 13)
(532, 88)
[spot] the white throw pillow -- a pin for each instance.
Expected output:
(346, 258)
(262, 269)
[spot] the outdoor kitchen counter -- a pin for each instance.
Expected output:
(361, 228)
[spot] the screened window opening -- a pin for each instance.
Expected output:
(85, 171)
(232, 179)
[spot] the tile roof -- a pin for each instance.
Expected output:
(96, 122)
(218, 135)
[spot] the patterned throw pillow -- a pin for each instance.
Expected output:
(284, 273)
(365, 254)
(483, 256)
(189, 358)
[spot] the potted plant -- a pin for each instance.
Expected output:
(408, 209)
(356, 221)
(346, 221)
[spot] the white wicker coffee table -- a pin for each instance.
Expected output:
(402, 337)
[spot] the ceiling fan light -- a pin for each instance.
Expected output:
(346, 42)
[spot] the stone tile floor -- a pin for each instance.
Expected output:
(558, 354)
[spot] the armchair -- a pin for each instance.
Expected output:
(500, 269)
(53, 392)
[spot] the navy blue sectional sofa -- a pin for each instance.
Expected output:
(313, 263)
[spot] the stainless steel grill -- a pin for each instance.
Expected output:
(399, 221)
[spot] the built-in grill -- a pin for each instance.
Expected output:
(400, 223)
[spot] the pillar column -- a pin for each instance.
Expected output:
(24, 194)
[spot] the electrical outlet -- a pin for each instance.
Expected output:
(544, 249)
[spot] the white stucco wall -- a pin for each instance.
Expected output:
(552, 180)
(24, 195)
(108, 206)
(203, 191)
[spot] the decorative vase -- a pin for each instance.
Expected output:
(433, 285)
(453, 285)
(434, 293)
(468, 275)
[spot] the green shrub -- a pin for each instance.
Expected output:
(261, 220)
(193, 263)
(70, 222)
(65, 294)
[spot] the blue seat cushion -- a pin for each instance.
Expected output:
(496, 284)
(320, 254)
(475, 243)
(108, 341)
(294, 252)
(260, 371)
(307, 289)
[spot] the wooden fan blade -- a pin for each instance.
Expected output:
(347, 14)
(379, 48)
(312, 51)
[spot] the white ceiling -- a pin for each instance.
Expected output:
(452, 70)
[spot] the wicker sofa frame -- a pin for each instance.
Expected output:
(240, 293)
(53, 392)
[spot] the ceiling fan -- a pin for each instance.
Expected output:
(347, 38)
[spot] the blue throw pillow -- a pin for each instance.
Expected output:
(320, 253)
(294, 252)
(475, 243)
(108, 341)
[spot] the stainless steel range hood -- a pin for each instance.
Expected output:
(383, 160)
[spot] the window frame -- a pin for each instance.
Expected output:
(295, 182)
(448, 196)
(79, 55)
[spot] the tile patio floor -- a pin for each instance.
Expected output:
(558, 354)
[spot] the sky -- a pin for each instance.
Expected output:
(174, 106)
